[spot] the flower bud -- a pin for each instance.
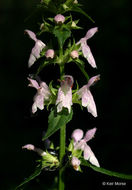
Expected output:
(77, 135)
(50, 53)
(74, 54)
(28, 147)
(75, 162)
(59, 19)
(75, 2)
(42, 26)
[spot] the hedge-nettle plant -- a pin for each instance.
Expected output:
(59, 101)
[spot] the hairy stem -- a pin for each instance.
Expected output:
(62, 153)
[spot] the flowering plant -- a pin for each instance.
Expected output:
(59, 100)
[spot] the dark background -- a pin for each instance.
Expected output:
(111, 47)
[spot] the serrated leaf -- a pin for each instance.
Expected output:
(56, 121)
(105, 171)
(31, 177)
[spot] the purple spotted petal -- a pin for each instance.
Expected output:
(93, 80)
(77, 135)
(89, 134)
(88, 54)
(89, 155)
(31, 34)
(91, 32)
(33, 83)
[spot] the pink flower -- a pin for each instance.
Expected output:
(33, 148)
(86, 96)
(81, 144)
(64, 98)
(35, 53)
(43, 93)
(74, 54)
(75, 163)
(86, 49)
(50, 53)
(59, 19)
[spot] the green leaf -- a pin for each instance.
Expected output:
(56, 121)
(106, 172)
(31, 177)
(62, 35)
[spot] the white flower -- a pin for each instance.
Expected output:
(86, 96)
(86, 49)
(81, 143)
(43, 93)
(35, 53)
(64, 98)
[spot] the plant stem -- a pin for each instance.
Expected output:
(62, 153)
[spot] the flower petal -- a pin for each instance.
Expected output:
(28, 147)
(33, 83)
(88, 54)
(31, 60)
(85, 98)
(31, 34)
(44, 90)
(39, 102)
(32, 147)
(91, 32)
(93, 80)
(77, 135)
(90, 134)
(75, 163)
(80, 145)
(91, 104)
(64, 100)
(89, 155)
(35, 53)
